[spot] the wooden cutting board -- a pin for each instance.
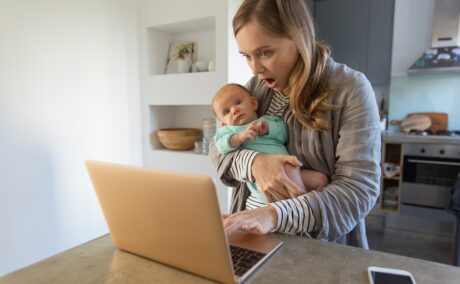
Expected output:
(417, 122)
(439, 120)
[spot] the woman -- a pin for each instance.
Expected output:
(333, 124)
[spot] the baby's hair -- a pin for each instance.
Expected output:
(223, 88)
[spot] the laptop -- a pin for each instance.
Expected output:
(174, 218)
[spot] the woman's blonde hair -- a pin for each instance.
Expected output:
(307, 83)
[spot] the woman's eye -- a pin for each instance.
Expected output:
(264, 53)
(248, 58)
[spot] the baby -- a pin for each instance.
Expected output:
(236, 109)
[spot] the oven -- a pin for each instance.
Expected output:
(429, 173)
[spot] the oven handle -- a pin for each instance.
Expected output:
(433, 162)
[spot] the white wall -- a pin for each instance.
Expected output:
(238, 68)
(68, 92)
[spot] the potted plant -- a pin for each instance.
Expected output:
(183, 55)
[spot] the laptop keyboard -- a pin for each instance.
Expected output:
(244, 259)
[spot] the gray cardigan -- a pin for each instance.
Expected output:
(349, 153)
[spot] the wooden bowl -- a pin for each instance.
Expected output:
(179, 138)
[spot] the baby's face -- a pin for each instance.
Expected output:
(234, 106)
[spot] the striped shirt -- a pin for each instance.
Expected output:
(294, 215)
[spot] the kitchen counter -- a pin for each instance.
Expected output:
(401, 137)
(299, 260)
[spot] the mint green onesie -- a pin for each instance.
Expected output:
(271, 143)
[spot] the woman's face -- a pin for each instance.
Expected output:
(270, 58)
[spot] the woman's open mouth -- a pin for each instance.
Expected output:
(270, 82)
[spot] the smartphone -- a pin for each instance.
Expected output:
(381, 275)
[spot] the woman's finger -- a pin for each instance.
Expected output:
(228, 221)
(233, 227)
(279, 192)
(258, 221)
(252, 227)
(292, 188)
(292, 160)
(270, 174)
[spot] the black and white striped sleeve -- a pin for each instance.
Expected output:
(242, 169)
(253, 202)
(295, 216)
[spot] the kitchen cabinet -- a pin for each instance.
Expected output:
(359, 33)
(183, 99)
(310, 5)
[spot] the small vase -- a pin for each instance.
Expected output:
(183, 65)
(212, 65)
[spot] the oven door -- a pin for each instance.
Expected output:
(428, 181)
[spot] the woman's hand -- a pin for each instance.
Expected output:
(256, 221)
(270, 175)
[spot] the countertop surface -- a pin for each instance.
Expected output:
(401, 137)
(299, 260)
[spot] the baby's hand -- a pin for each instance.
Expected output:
(253, 130)
(262, 127)
(249, 133)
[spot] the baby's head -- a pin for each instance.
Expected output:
(234, 105)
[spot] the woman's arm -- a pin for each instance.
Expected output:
(249, 166)
(271, 177)
(269, 166)
(335, 210)
(234, 167)
(354, 186)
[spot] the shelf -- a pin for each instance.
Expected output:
(389, 209)
(181, 75)
(392, 153)
(182, 89)
(392, 178)
(168, 116)
(391, 186)
(183, 99)
(187, 153)
(162, 40)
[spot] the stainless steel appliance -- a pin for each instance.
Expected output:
(429, 173)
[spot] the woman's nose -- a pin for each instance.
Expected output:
(256, 67)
